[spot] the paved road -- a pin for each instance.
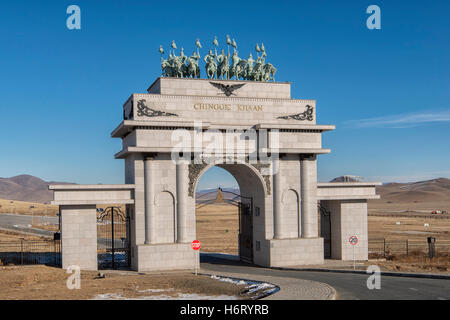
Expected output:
(22, 223)
(348, 286)
(8, 219)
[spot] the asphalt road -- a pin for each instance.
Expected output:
(22, 223)
(348, 286)
(8, 219)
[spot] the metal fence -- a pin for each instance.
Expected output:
(382, 247)
(24, 252)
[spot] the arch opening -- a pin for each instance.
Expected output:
(229, 200)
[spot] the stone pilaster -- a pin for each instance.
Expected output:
(150, 217)
(278, 216)
(182, 194)
(308, 178)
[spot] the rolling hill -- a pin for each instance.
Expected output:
(26, 188)
(429, 190)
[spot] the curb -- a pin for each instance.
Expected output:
(383, 273)
(333, 295)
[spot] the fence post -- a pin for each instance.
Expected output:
(407, 247)
(112, 237)
(384, 247)
(21, 251)
(431, 241)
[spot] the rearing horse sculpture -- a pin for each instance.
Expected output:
(218, 65)
(223, 71)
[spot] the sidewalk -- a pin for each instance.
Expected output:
(290, 289)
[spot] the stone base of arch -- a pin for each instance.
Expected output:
(171, 256)
(293, 252)
(179, 256)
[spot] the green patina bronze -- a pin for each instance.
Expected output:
(218, 66)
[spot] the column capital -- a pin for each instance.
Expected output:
(149, 156)
(307, 156)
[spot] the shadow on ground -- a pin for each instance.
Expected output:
(223, 259)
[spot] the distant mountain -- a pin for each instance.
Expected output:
(429, 190)
(26, 188)
(347, 179)
(235, 190)
(210, 194)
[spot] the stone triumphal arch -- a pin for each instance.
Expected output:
(166, 146)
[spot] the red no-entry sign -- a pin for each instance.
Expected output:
(196, 245)
(353, 240)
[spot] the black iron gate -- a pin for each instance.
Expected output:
(245, 209)
(113, 245)
(245, 232)
(325, 230)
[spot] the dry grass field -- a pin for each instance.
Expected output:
(22, 207)
(385, 206)
(10, 236)
(406, 222)
(47, 283)
(414, 262)
(217, 228)
(40, 209)
(402, 228)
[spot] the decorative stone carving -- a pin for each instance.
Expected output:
(196, 169)
(130, 113)
(259, 166)
(227, 89)
(307, 115)
(144, 110)
(194, 172)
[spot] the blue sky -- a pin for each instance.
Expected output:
(387, 91)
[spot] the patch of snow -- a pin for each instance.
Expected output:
(154, 290)
(252, 286)
(108, 296)
(260, 286)
(229, 280)
(178, 296)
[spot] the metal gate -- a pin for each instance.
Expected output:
(246, 232)
(113, 245)
(325, 230)
(245, 209)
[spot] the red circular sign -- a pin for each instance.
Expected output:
(195, 245)
(353, 240)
